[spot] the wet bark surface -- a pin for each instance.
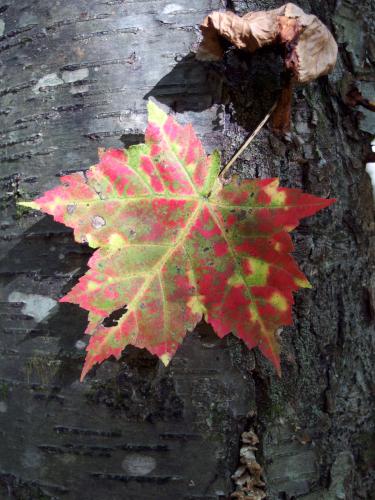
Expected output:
(75, 76)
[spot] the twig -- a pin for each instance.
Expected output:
(247, 142)
(354, 97)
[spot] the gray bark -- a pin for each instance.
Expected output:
(75, 77)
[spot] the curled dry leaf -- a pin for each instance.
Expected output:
(311, 50)
(250, 438)
(248, 477)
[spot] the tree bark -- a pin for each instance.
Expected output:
(75, 77)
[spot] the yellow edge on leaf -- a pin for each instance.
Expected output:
(28, 204)
(156, 114)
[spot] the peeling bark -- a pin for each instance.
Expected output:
(75, 76)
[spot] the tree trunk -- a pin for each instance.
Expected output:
(75, 77)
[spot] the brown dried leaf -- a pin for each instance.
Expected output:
(315, 50)
(248, 476)
(310, 49)
(238, 473)
(250, 437)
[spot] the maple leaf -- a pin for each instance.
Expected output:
(175, 245)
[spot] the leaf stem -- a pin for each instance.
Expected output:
(247, 142)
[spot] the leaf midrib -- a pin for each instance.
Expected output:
(182, 164)
(197, 196)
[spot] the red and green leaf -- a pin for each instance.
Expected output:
(174, 244)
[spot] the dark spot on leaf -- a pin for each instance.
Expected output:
(206, 249)
(113, 318)
(241, 215)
